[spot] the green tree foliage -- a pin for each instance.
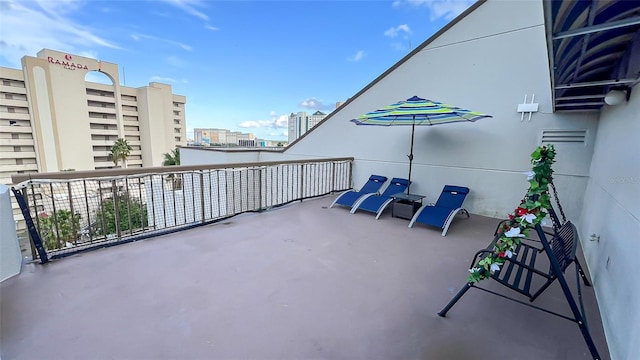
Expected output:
(172, 158)
(128, 208)
(56, 230)
(120, 151)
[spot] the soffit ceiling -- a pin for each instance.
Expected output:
(594, 46)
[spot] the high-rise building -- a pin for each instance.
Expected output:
(301, 122)
(53, 119)
(222, 137)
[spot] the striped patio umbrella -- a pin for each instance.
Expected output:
(417, 111)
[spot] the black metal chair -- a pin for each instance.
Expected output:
(524, 274)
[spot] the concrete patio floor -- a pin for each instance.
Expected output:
(299, 282)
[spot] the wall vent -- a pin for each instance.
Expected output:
(564, 137)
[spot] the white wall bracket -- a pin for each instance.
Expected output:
(527, 107)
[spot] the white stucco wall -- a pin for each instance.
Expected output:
(611, 211)
(10, 256)
(487, 62)
(200, 156)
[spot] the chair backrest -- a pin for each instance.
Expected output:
(373, 184)
(452, 197)
(396, 186)
(564, 245)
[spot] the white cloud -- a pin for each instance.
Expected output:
(138, 37)
(212, 28)
(29, 26)
(189, 6)
(357, 56)
(447, 9)
(162, 79)
(314, 104)
(281, 122)
(395, 31)
(276, 122)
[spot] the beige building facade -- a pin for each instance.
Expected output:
(53, 118)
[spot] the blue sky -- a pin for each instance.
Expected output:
(243, 65)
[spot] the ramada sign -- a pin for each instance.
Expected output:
(67, 63)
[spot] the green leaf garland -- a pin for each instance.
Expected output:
(531, 211)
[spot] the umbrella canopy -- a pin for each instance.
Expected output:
(417, 111)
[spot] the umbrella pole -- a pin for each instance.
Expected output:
(413, 127)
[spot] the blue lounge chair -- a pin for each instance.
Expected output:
(349, 197)
(445, 209)
(377, 203)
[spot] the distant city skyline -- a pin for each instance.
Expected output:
(238, 68)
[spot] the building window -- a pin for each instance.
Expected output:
(15, 136)
(176, 113)
(176, 121)
(13, 123)
(178, 139)
(8, 96)
(177, 131)
(11, 110)
(6, 82)
(17, 149)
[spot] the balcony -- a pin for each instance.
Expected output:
(272, 273)
(13, 89)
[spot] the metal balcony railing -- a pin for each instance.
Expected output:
(75, 211)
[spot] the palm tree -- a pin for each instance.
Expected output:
(120, 151)
(172, 158)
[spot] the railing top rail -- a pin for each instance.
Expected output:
(85, 174)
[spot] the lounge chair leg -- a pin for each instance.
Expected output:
(455, 299)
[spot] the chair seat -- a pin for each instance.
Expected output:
(349, 198)
(523, 263)
(441, 214)
(376, 203)
(372, 203)
(434, 215)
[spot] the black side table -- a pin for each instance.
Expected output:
(405, 205)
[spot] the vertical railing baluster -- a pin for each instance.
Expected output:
(143, 206)
(74, 228)
(219, 173)
(184, 199)
(86, 203)
(202, 202)
(211, 196)
(128, 197)
(164, 202)
(153, 203)
(104, 223)
(260, 188)
(116, 208)
(55, 216)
